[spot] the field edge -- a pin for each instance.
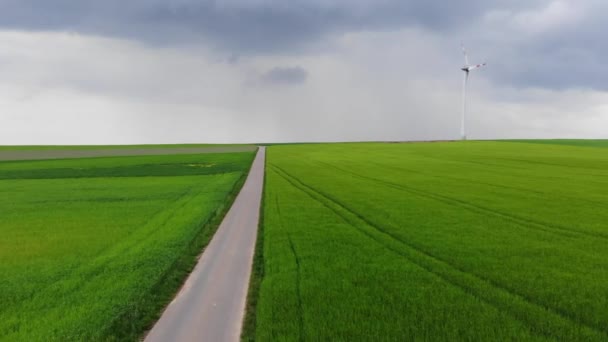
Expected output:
(248, 327)
(133, 325)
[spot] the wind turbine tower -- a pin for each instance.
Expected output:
(466, 68)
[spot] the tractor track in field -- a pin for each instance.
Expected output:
(504, 299)
(525, 222)
(443, 177)
(572, 167)
(302, 331)
(526, 170)
(470, 181)
(95, 266)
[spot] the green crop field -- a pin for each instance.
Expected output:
(476, 241)
(105, 147)
(91, 249)
(570, 142)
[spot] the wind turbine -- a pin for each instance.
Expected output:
(466, 68)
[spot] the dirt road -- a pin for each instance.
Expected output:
(210, 306)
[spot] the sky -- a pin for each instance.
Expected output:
(233, 71)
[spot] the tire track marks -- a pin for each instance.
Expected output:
(301, 327)
(443, 177)
(526, 222)
(541, 319)
(111, 253)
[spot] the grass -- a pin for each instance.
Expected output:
(92, 249)
(257, 274)
(134, 166)
(446, 241)
(104, 147)
(569, 142)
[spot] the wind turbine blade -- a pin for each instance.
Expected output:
(464, 52)
(473, 67)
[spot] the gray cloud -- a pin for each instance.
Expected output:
(365, 69)
(558, 45)
(241, 24)
(284, 76)
(64, 88)
(529, 43)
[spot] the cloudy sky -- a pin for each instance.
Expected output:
(170, 71)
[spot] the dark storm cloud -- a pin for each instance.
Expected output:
(285, 76)
(557, 68)
(243, 25)
(569, 56)
(566, 57)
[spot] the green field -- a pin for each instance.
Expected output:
(481, 241)
(104, 147)
(91, 249)
(568, 142)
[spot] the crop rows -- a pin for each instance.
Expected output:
(426, 241)
(92, 249)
